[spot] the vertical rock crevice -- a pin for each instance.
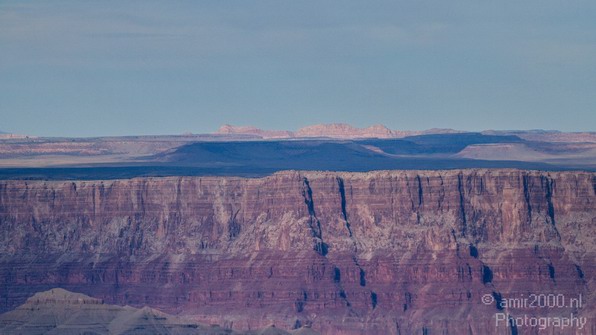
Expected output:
(462, 207)
(498, 300)
(512, 325)
(336, 275)
(473, 251)
(526, 186)
(313, 223)
(548, 188)
(551, 271)
(548, 185)
(342, 194)
(373, 299)
(233, 226)
(362, 277)
(407, 301)
(420, 193)
(487, 274)
(580, 272)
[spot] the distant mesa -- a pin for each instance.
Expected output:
(227, 129)
(330, 130)
(342, 130)
(548, 135)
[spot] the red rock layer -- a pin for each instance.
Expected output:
(388, 252)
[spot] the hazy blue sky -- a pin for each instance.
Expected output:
(83, 68)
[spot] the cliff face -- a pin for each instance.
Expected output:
(393, 252)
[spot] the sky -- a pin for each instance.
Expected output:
(92, 68)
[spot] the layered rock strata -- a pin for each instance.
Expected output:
(387, 252)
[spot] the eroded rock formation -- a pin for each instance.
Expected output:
(387, 252)
(60, 312)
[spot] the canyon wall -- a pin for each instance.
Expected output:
(386, 252)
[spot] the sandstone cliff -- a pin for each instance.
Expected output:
(393, 252)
